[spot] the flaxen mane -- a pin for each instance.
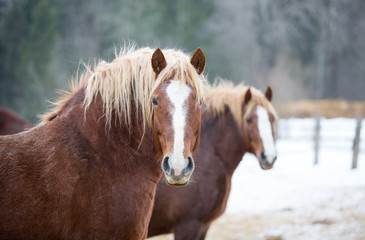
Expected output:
(130, 77)
(224, 93)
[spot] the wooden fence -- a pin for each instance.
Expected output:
(314, 134)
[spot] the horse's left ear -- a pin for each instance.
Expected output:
(268, 93)
(198, 61)
(158, 61)
(248, 95)
(246, 100)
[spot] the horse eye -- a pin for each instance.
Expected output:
(200, 103)
(154, 101)
(249, 121)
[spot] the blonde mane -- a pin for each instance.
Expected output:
(130, 77)
(224, 93)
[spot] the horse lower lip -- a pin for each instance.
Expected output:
(266, 167)
(177, 182)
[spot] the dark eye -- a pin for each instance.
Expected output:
(154, 102)
(200, 103)
(249, 121)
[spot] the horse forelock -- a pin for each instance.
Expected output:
(130, 78)
(225, 94)
(258, 98)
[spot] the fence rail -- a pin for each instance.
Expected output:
(314, 133)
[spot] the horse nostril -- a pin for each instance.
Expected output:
(190, 167)
(165, 165)
(263, 156)
(274, 159)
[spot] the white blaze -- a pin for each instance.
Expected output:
(266, 133)
(178, 93)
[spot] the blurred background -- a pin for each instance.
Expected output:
(312, 49)
(311, 52)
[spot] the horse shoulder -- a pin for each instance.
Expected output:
(36, 180)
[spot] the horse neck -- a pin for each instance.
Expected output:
(225, 137)
(116, 144)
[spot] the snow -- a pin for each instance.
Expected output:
(295, 182)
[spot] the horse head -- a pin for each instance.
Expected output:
(176, 117)
(258, 128)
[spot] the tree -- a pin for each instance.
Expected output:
(28, 33)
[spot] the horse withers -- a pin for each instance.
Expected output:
(90, 169)
(11, 123)
(235, 120)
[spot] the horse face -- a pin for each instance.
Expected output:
(176, 126)
(258, 132)
(260, 135)
(176, 121)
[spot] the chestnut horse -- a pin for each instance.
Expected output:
(11, 123)
(235, 120)
(90, 169)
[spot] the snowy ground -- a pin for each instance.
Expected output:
(297, 200)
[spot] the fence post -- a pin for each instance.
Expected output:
(356, 144)
(317, 130)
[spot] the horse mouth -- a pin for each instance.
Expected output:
(181, 179)
(177, 180)
(265, 162)
(265, 165)
(177, 184)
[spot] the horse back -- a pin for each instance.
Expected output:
(11, 123)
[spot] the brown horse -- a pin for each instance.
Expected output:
(235, 120)
(11, 123)
(90, 169)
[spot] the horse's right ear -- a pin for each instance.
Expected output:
(198, 61)
(248, 96)
(158, 61)
(268, 93)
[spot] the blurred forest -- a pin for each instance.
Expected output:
(313, 49)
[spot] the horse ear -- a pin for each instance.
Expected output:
(158, 61)
(268, 93)
(198, 61)
(248, 96)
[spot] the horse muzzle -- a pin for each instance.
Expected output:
(176, 175)
(266, 162)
